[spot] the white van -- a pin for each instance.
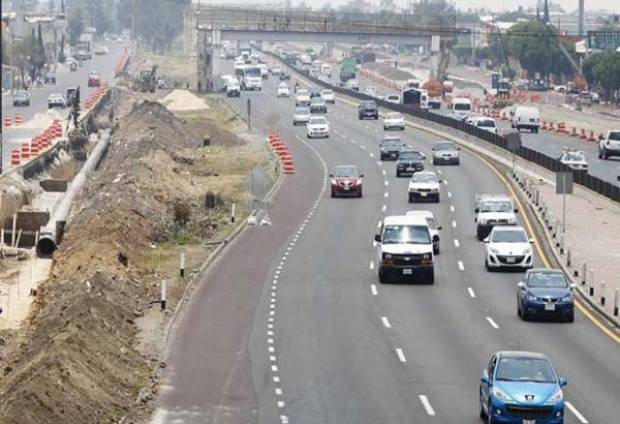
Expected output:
(405, 248)
(461, 108)
(326, 69)
(413, 83)
(432, 226)
(527, 117)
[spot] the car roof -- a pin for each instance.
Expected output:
(544, 271)
(425, 173)
(347, 166)
(405, 220)
(520, 354)
(508, 228)
(425, 214)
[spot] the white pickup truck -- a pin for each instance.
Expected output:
(491, 210)
(609, 145)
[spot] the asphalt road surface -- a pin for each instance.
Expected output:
(324, 342)
(104, 64)
(549, 143)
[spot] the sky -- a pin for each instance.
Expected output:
(500, 5)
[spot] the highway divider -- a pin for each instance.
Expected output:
(597, 185)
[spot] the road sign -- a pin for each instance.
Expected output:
(564, 182)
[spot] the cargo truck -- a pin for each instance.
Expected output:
(347, 69)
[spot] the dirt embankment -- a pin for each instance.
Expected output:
(79, 363)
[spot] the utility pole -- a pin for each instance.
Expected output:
(582, 18)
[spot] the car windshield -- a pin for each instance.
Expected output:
(21, 94)
(318, 121)
(318, 100)
(462, 106)
(445, 146)
(303, 93)
(406, 234)
(424, 178)
(347, 171)
(393, 116)
(614, 135)
(392, 143)
(410, 156)
(486, 123)
(574, 157)
(302, 111)
(509, 236)
(496, 206)
(547, 279)
(369, 105)
(326, 92)
(535, 370)
(283, 86)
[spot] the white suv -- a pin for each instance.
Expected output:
(405, 249)
(317, 127)
(491, 210)
(508, 247)
(610, 145)
(432, 226)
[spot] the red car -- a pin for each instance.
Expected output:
(93, 79)
(347, 181)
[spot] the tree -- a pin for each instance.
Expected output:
(38, 53)
(22, 55)
(75, 25)
(536, 48)
(158, 23)
(603, 70)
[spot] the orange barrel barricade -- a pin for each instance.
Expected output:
(25, 150)
(561, 127)
(19, 119)
(591, 137)
(15, 158)
(7, 122)
(574, 132)
(544, 126)
(551, 127)
(583, 135)
(34, 147)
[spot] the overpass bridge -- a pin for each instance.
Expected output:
(216, 23)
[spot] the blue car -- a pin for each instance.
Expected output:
(521, 388)
(545, 293)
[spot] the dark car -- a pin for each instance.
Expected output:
(284, 76)
(50, 78)
(390, 147)
(314, 92)
(21, 98)
(347, 181)
(409, 162)
(545, 293)
(318, 105)
(368, 109)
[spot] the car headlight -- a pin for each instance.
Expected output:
(493, 250)
(556, 397)
(527, 251)
(500, 394)
(567, 298)
(532, 298)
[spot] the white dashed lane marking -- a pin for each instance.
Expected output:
(493, 323)
(384, 208)
(401, 355)
(373, 289)
(456, 243)
(576, 413)
(461, 266)
(449, 194)
(372, 265)
(453, 224)
(471, 292)
(386, 323)
(451, 208)
(427, 405)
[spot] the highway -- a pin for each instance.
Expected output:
(324, 342)
(12, 137)
(549, 143)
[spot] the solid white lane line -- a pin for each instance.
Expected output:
(453, 224)
(576, 413)
(372, 265)
(451, 208)
(456, 243)
(386, 323)
(427, 405)
(383, 208)
(387, 183)
(401, 355)
(493, 323)
(373, 289)
(461, 266)
(471, 292)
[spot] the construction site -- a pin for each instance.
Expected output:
(93, 232)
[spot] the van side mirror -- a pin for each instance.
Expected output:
(378, 238)
(440, 228)
(532, 241)
(476, 210)
(516, 210)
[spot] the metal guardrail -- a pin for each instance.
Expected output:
(604, 188)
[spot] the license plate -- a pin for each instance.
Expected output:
(346, 188)
(529, 421)
(423, 194)
(510, 260)
(549, 306)
(410, 169)
(393, 155)
(407, 271)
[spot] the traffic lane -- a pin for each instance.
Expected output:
(329, 367)
(327, 323)
(221, 314)
(502, 283)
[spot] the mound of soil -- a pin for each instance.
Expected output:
(80, 364)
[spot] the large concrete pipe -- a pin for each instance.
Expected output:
(49, 236)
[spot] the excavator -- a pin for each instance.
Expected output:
(147, 80)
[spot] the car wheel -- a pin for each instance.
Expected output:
(571, 317)
(410, 198)
(524, 315)
(360, 194)
(437, 199)
(434, 161)
(397, 174)
(479, 234)
(486, 265)
(381, 277)
(458, 162)
(431, 277)
(333, 193)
